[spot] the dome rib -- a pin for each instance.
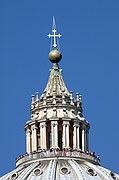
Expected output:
(55, 85)
(27, 171)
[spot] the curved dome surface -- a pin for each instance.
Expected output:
(60, 169)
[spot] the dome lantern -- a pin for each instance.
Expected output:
(57, 134)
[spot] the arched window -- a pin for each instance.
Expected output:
(60, 139)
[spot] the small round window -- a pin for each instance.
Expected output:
(13, 176)
(91, 172)
(37, 172)
(64, 170)
(113, 176)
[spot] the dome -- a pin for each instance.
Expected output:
(57, 135)
(55, 56)
(59, 168)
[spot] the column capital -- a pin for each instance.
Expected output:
(65, 123)
(42, 124)
(76, 123)
(54, 123)
(83, 126)
(34, 126)
(28, 130)
(27, 127)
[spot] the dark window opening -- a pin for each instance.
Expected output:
(49, 139)
(60, 139)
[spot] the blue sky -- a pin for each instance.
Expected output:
(90, 49)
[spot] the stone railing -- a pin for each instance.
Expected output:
(48, 154)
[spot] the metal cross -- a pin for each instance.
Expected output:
(54, 35)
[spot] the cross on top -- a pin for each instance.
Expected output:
(54, 35)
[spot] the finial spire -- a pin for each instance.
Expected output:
(54, 35)
(55, 55)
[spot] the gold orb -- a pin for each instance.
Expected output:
(55, 56)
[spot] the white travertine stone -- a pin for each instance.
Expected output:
(78, 140)
(49, 113)
(76, 143)
(54, 130)
(28, 143)
(71, 98)
(35, 115)
(56, 134)
(45, 113)
(78, 115)
(80, 98)
(37, 100)
(44, 100)
(54, 100)
(74, 137)
(34, 137)
(77, 99)
(63, 100)
(65, 134)
(64, 112)
(32, 102)
(60, 113)
(71, 113)
(83, 136)
(43, 135)
(54, 114)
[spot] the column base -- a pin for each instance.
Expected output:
(54, 147)
(66, 147)
(43, 148)
(78, 149)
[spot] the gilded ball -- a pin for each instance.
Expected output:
(55, 56)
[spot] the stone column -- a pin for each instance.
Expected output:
(34, 137)
(64, 135)
(78, 140)
(74, 137)
(28, 139)
(43, 135)
(83, 136)
(56, 134)
(54, 131)
(76, 143)
(67, 135)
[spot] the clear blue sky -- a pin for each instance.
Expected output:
(90, 48)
